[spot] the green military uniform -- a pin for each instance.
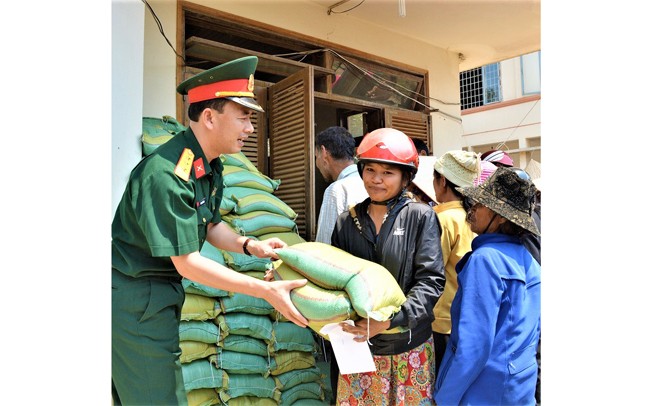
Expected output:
(171, 197)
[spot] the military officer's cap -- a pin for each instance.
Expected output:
(231, 80)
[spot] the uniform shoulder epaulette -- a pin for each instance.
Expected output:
(184, 164)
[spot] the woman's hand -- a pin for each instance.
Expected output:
(365, 329)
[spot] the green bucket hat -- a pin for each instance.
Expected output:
(231, 80)
(508, 195)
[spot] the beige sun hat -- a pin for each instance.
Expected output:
(424, 178)
(459, 167)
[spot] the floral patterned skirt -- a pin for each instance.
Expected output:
(404, 379)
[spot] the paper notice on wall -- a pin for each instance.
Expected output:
(351, 356)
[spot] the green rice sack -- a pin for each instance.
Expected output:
(240, 302)
(196, 330)
(236, 176)
(308, 390)
(285, 361)
(258, 223)
(248, 199)
(252, 325)
(197, 307)
(372, 290)
(203, 374)
(203, 397)
(196, 288)
(245, 344)
(193, 350)
(290, 238)
(242, 363)
(318, 305)
(253, 385)
(290, 379)
(288, 336)
(238, 159)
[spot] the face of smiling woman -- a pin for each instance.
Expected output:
(382, 181)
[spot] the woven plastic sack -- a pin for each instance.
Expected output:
(245, 324)
(309, 390)
(203, 397)
(240, 302)
(236, 176)
(290, 379)
(290, 238)
(249, 385)
(252, 401)
(242, 363)
(311, 402)
(258, 223)
(199, 289)
(203, 374)
(285, 361)
(245, 344)
(238, 159)
(373, 291)
(197, 307)
(226, 206)
(244, 263)
(202, 331)
(157, 131)
(210, 251)
(288, 336)
(248, 199)
(318, 305)
(193, 350)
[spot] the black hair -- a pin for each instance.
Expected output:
(338, 142)
(450, 184)
(195, 109)
(420, 145)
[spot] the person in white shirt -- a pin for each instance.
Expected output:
(335, 148)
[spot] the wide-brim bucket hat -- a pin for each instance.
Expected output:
(508, 195)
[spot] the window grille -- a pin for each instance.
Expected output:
(480, 86)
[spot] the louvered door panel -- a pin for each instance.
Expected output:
(411, 123)
(291, 137)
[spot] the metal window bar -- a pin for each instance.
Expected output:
(480, 86)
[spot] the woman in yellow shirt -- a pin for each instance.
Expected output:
(453, 169)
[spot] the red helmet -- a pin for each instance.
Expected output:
(388, 145)
(497, 157)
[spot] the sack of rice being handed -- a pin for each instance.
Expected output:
(372, 290)
(318, 305)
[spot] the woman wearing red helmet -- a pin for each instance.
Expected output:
(403, 236)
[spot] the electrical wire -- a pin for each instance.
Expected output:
(160, 28)
(503, 143)
(341, 12)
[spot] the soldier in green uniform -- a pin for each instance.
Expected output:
(169, 209)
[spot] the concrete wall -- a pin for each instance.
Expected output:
(515, 121)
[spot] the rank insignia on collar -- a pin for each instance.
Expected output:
(184, 164)
(199, 168)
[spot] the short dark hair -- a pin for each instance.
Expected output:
(195, 109)
(338, 142)
(420, 145)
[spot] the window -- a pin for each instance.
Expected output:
(530, 73)
(480, 86)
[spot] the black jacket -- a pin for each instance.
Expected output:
(408, 245)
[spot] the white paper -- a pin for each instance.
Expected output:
(351, 356)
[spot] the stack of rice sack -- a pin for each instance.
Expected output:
(249, 205)
(237, 349)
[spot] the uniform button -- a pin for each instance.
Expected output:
(204, 219)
